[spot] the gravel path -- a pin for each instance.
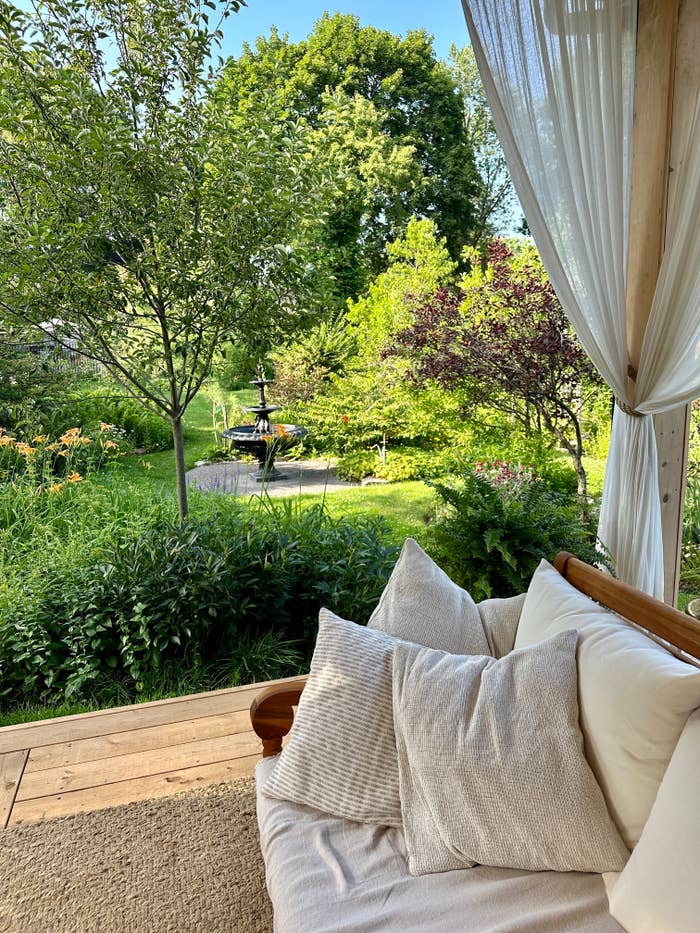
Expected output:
(235, 478)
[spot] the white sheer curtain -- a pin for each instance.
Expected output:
(559, 75)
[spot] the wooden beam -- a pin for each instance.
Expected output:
(657, 29)
(672, 427)
(667, 81)
(672, 433)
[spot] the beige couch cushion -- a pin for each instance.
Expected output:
(659, 890)
(327, 875)
(491, 762)
(634, 696)
(421, 604)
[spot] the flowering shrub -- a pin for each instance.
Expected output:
(48, 465)
(506, 478)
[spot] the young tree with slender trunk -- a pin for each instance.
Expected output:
(137, 214)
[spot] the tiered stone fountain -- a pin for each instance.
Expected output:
(264, 439)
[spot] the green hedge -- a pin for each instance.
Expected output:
(206, 590)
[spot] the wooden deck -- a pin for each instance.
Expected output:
(61, 766)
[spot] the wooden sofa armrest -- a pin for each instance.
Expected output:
(272, 714)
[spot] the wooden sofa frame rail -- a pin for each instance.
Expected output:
(272, 711)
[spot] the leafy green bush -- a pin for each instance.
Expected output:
(152, 594)
(494, 528)
(690, 552)
(88, 408)
(402, 464)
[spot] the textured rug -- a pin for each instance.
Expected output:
(190, 862)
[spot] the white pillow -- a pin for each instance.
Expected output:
(500, 618)
(634, 696)
(659, 889)
(420, 597)
(497, 776)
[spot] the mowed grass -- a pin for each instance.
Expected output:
(157, 470)
(407, 507)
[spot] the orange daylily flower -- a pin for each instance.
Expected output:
(74, 477)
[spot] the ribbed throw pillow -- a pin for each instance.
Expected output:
(341, 756)
(634, 696)
(491, 763)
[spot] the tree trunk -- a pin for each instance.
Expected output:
(575, 451)
(581, 479)
(179, 447)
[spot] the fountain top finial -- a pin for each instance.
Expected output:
(260, 369)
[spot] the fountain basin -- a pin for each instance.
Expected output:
(265, 445)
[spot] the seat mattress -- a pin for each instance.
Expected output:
(328, 875)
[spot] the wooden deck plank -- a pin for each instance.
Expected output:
(130, 706)
(11, 769)
(139, 765)
(106, 722)
(144, 739)
(129, 791)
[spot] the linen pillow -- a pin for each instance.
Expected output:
(498, 777)
(659, 889)
(634, 696)
(341, 755)
(500, 619)
(421, 604)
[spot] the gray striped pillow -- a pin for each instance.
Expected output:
(341, 757)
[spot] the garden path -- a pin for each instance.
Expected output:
(235, 478)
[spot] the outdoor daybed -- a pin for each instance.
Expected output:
(341, 856)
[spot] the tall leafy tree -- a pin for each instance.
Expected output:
(506, 339)
(134, 213)
(418, 111)
(494, 199)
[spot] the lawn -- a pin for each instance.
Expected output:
(157, 470)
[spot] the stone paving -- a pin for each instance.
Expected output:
(235, 478)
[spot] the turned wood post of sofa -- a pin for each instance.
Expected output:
(272, 714)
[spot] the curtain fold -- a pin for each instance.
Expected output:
(559, 76)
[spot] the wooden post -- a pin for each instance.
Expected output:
(667, 80)
(673, 427)
(651, 143)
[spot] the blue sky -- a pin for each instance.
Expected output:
(441, 18)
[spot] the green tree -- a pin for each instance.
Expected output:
(419, 264)
(134, 212)
(32, 380)
(506, 340)
(416, 108)
(494, 197)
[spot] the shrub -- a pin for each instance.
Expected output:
(496, 525)
(150, 596)
(93, 405)
(304, 367)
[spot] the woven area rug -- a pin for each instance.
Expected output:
(190, 862)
